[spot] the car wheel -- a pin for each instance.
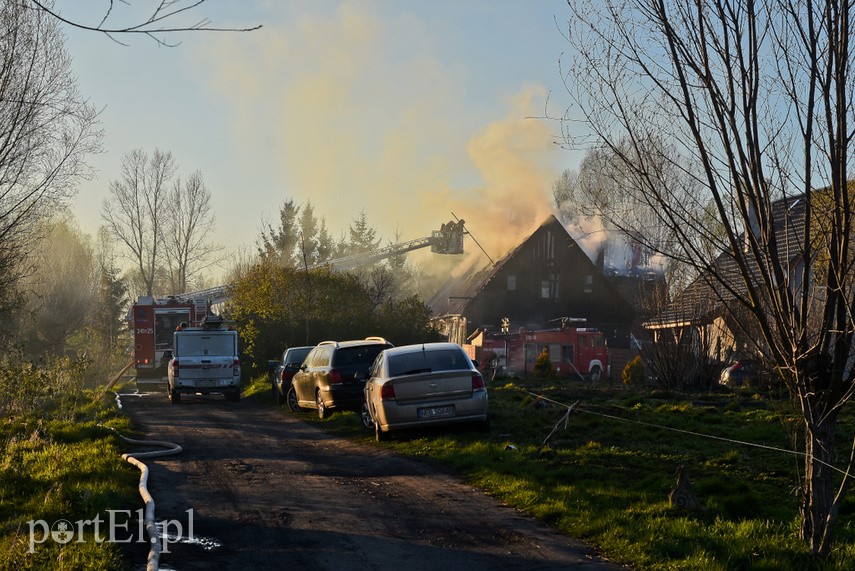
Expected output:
(277, 398)
(366, 416)
(484, 425)
(595, 375)
(174, 396)
(379, 435)
(293, 403)
(322, 408)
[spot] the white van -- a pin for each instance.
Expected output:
(204, 361)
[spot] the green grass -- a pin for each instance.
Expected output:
(606, 477)
(57, 463)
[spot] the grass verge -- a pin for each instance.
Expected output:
(606, 473)
(56, 464)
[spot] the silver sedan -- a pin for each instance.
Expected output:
(421, 385)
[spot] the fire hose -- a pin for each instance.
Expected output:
(153, 560)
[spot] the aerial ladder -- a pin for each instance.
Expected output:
(447, 240)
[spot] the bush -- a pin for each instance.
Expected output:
(543, 366)
(635, 373)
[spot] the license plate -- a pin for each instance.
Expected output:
(436, 412)
(206, 384)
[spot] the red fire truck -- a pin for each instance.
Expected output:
(573, 351)
(153, 322)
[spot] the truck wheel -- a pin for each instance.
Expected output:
(595, 375)
(322, 408)
(293, 403)
(174, 396)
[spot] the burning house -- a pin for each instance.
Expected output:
(546, 277)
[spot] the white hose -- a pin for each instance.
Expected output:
(153, 561)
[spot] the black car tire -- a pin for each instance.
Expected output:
(323, 412)
(280, 398)
(379, 435)
(595, 374)
(174, 396)
(367, 420)
(293, 403)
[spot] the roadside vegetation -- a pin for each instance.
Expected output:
(606, 473)
(57, 463)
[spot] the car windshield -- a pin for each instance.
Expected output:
(362, 355)
(296, 356)
(427, 361)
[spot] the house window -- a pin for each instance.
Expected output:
(512, 283)
(545, 250)
(550, 287)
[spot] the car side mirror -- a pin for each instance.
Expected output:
(303, 367)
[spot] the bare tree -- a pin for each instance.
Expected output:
(186, 245)
(137, 210)
(160, 21)
(46, 130)
(751, 103)
(62, 290)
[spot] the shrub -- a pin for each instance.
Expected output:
(543, 366)
(635, 373)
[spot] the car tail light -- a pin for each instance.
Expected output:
(335, 377)
(477, 381)
(175, 368)
(236, 367)
(387, 392)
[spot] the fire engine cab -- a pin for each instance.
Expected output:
(153, 322)
(573, 351)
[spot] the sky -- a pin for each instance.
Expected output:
(407, 110)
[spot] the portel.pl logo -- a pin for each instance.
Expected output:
(117, 527)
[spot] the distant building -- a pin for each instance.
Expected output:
(546, 278)
(706, 316)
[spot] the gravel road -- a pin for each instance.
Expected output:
(270, 491)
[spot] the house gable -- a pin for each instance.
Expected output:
(547, 277)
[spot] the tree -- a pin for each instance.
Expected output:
(752, 103)
(361, 236)
(137, 210)
(152, 26)
(46, 131)
(316, 243)
(189, 222)
(107, 319)
(61, 293)
(280, 244)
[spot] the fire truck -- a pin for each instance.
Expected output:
(574, 351)
(153, 322)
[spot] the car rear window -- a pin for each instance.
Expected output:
(206, 344)
(360, 355)
(296, 356)
(427, 361)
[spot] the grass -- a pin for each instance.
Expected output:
(607, 475)
(57, 463)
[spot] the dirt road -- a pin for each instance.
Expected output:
(269, 491)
